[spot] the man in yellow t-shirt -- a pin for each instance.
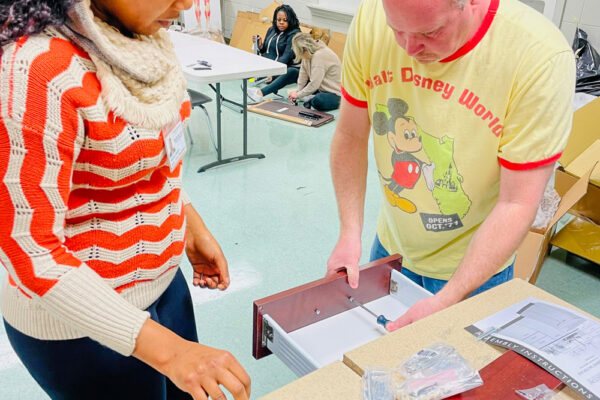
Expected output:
(470, 105)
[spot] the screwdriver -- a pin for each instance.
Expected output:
(381, 320)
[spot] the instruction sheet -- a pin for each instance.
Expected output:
(563, 342)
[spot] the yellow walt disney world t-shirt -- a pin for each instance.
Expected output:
(442, 130)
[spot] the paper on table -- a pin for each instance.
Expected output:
(563, 342)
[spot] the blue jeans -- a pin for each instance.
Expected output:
(291, 76)
(435, 285)
(84, 369)
(325, 101)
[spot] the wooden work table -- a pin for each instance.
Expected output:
(447, 326)
(334, 381)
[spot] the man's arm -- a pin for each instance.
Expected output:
(349, 173)
(495, 241)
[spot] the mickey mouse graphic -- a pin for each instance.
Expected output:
(403, 137)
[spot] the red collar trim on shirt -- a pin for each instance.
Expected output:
(485, 25)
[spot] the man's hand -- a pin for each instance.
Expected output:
(420, 309)
(293, 96)
(346, 254)
(205, 254)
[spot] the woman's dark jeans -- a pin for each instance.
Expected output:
(291, 76)
(79, 369)
(325, 101)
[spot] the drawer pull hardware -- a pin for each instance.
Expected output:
(267, 333)
(393, 286)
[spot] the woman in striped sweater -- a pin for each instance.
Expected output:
(94, 219)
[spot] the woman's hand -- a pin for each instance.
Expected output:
(194, 368)
(257, 41)
(293, 96)
(205, 254)
(200, 370)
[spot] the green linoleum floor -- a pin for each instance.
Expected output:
(276, 220)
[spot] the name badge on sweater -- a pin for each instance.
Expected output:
(174, 143)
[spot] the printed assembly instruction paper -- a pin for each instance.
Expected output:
(563, 342)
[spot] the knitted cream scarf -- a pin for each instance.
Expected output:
(142, 81)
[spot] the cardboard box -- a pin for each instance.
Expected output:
(305, 28)
(266, 14)
(316, 32)
(337, 42)
(583, 151)
(584, 133)
(533, 249)
(581, 237)
(589, 205)
(577, 181)
(247, 24)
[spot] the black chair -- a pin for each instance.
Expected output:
(198, 99)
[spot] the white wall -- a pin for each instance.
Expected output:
(231, 7)
(586, 13)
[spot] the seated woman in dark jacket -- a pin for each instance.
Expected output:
(278, 46)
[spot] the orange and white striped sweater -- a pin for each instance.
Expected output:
(92, 221)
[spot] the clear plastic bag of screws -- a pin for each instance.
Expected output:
(378, 383)
(540, 392)
(436, 372)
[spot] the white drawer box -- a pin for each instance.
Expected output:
(313, 325)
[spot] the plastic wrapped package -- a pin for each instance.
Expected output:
(540, 392)
(588, 64)
(378, 383)
(547, 208)
(436, 372)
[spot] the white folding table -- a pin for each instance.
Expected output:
(226, 64)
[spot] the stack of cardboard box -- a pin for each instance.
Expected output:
(248, 24)
(337, 43)
(582, 235)
(577, 181)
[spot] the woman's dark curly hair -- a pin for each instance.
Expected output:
(293, 22)
(28, 17)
